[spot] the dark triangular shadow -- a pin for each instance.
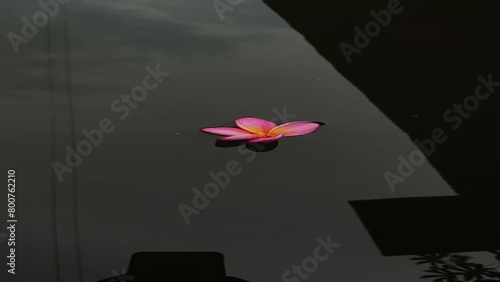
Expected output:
(175, 267)
(427, 59)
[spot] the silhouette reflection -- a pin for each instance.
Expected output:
(175, 267)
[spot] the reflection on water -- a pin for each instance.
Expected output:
(129, 189)
(414, 84)
(447, 267)
(256, 147)
(175, 266)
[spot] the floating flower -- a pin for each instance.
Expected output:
(259, 130)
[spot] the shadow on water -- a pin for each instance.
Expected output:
(417, 70)
(228, 144)
(262, 147)
(175, 266)
(256, 147)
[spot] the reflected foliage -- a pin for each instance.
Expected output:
(446, 267)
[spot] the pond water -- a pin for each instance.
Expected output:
(133, 189)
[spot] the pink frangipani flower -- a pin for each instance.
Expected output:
(259, 130)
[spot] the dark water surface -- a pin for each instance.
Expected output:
(264, 60)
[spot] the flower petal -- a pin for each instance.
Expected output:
(255, 125)
(295, 128)
(238, 137)
(227, 131)
(266, 139)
